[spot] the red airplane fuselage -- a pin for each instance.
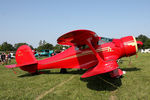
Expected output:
(83, 57)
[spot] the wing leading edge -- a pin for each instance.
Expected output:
(77, 37)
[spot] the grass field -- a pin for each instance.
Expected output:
(54, 86)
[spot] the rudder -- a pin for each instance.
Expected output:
(24, 56)
(25, 59)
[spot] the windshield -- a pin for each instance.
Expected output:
(104, 40)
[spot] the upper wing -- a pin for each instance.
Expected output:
(78, 37)
(82, 37)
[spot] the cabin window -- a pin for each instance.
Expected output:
(76, 48)
(104, 40)
(82, 47)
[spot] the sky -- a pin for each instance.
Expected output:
(33, 20)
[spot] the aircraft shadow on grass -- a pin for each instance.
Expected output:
(70, 72)
(105, 82)
(94, 83)
(49, 72)
(131, 69)
(101, 82)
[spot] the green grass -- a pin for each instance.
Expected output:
(133, 86)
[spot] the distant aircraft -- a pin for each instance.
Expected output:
(88, 51)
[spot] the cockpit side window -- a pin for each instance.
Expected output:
(104, 40)
(82, 47)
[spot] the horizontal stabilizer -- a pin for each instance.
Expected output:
(28, 63)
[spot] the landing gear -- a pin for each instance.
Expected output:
(63, 70)
(119, 77)
(117, 73)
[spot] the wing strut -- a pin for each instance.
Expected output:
(88, 41)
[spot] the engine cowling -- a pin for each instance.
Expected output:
(130, 45)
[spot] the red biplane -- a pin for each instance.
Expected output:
(88, 51)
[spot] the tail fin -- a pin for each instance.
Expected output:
(25, 59)
(24, 56)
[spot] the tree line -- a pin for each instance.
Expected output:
(44, 45)
(5, 46)
(145, 40)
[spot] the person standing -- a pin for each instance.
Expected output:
(3, 56)
(0, 60)
(9, 57)
(6, 58)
